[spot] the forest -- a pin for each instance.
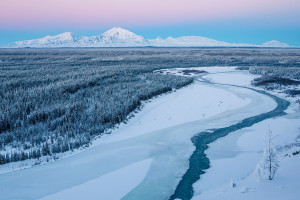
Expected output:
(283, 72)
(57, 100)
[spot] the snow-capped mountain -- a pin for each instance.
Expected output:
(115, 37)
(188, 41)
(274, 43)
(64, 39)
(198, 41)
(118, 37)
(122, 37)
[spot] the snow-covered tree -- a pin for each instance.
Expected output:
(267, 167)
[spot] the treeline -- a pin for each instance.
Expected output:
(282, 72)
(155, 57)
(285, 79)
(51, 105)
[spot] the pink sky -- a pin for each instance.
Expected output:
(88, 13)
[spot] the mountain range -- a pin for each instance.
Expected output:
(118, 37)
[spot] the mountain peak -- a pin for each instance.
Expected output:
(119, 33)
(117, 29)
(66, 35)
(274, 43)
(119, 37)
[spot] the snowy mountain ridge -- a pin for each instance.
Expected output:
(119, 37)
(275, 43)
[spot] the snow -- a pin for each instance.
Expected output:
(119, 33)
(103, 187)
(161, 132)
(180, 107)
(191, 41)
(233, 78)
(210, 70)
(119, 37)
(149, 154)
(237, 158)
(243, 155)
(66, 38)
(274, 43)
(115, 37)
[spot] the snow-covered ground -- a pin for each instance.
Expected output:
(238, 162)
(100, 188)
(186, 105)
(146, 157)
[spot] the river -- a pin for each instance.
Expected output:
(157, 152)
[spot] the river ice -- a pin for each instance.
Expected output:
(158, 137)
(236, 159)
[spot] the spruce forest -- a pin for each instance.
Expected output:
(57, 100)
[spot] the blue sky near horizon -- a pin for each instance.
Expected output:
(234, 21)
(250, 35)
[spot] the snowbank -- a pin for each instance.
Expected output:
(237, 159)
(196, 102)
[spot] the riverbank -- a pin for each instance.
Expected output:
(161, 132)
(199, 162)
(239, 166)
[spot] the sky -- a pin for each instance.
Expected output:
(239, 21)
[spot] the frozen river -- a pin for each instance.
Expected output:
(146, 157)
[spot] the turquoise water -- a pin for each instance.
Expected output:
(199, 162)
